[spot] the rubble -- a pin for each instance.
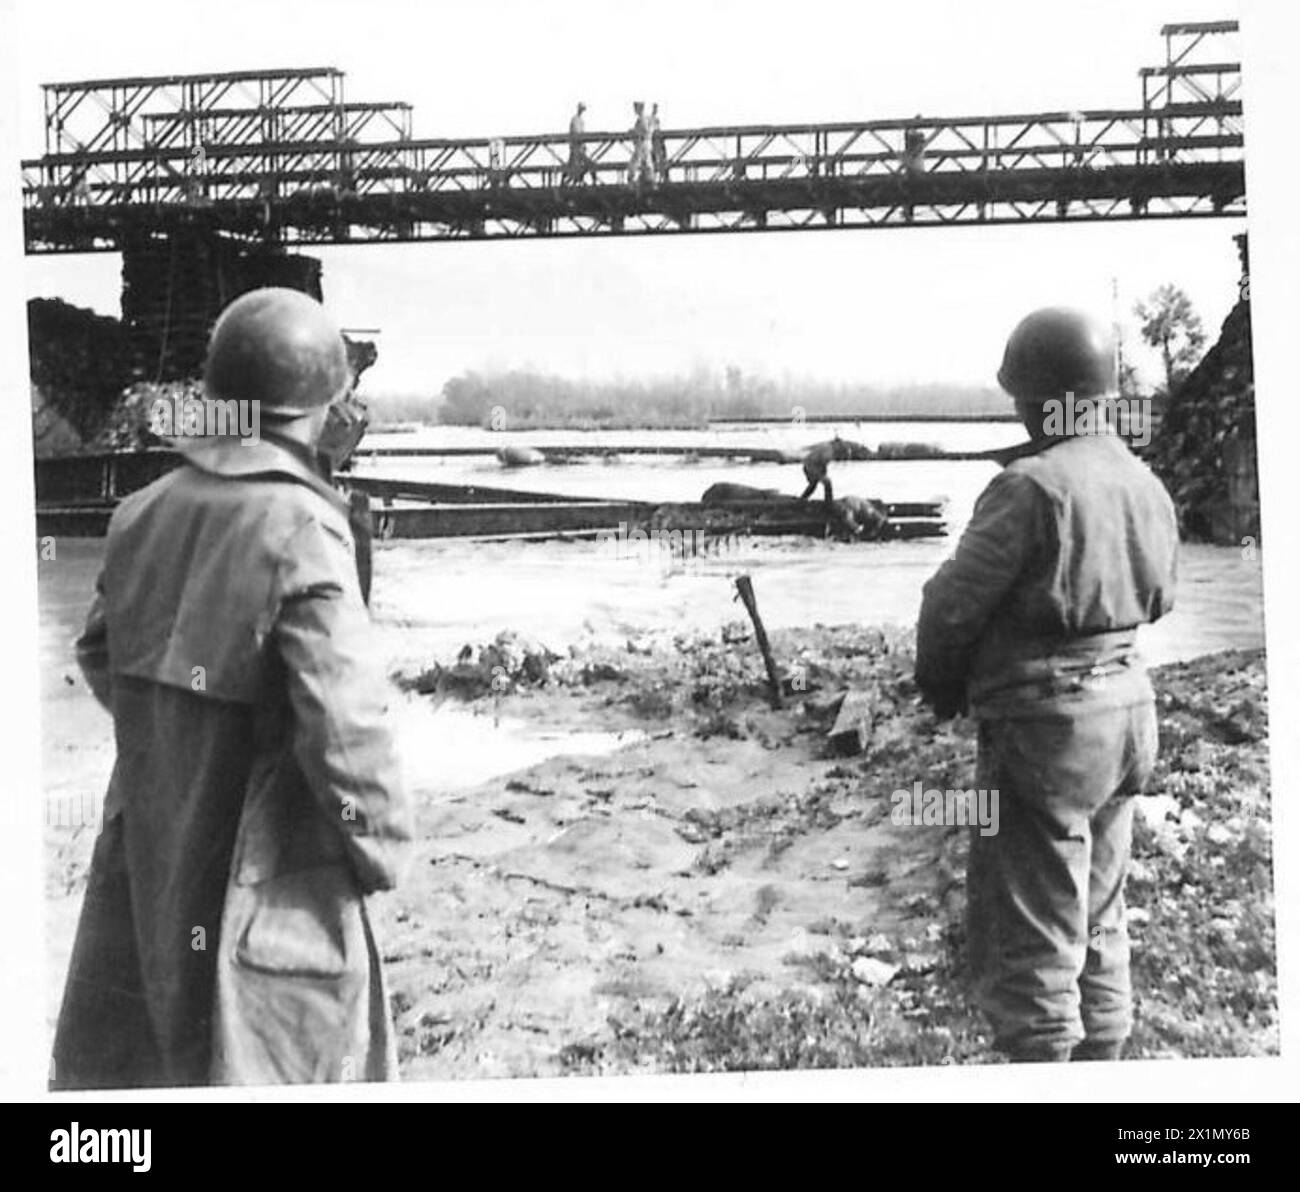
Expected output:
(507, 663)
(1204, 449)
(80, 363)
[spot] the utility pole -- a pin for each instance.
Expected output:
(1119, 332)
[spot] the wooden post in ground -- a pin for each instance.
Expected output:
(745, 590)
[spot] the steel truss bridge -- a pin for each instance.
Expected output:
(283, 158)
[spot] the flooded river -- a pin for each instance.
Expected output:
(432, 597)
(441, 595)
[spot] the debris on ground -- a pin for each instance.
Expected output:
(731, 894)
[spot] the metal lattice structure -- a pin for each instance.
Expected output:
(281, 158)
(1183, 78)
(211, 128)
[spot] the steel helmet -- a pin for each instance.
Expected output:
(277, 347)
(1055, 351)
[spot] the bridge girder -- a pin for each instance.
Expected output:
(1171, 190)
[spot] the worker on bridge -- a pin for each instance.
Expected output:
(658, 149)
(256, 797)
(1031, 627)
(579, 164)
(640, 168)
(915, 141)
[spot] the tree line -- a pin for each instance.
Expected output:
(527, 398)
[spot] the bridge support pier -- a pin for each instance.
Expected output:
(174, 285)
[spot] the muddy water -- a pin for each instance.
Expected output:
(467, 747)
(670, 478)
(439, 596)
(432, 597)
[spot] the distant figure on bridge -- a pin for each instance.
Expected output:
(79, 185)
(639, 169)
(498, 175)
(579, 164)
(196, 169)
(816, 464)
(658, 150)
(1079, 155)
(914, 141)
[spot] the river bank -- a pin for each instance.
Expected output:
(639, 865)
(728, 890)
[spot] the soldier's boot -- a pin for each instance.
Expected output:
(1039, 1053)
(1098, 1049)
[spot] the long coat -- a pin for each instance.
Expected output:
(255, 798)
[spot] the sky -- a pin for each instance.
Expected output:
(883, 307)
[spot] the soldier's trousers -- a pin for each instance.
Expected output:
(1048, 945)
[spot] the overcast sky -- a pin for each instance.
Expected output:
(875, 306)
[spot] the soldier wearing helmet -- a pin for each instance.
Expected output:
(1031, 628)
(255, 800)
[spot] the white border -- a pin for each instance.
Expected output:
(1270, 44)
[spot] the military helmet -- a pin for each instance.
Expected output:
(1055, 351)
(277, 347)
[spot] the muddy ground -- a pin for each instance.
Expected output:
(730, 892)
(627, 861)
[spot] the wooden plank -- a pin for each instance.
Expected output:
(82, 522)
(452, 494)
(907, 528)
(502, 521)
(852, 728)
(90, 479)
(77, 500)
(460, 521)
(745, 590)
(930, 509)
(784, 419)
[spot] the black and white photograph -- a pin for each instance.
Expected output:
(582, 541)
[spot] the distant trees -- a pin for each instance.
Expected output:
(466, 401)
(522, 398)
(1171, 325)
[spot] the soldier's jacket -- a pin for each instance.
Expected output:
(255, 797)
(1070, 548)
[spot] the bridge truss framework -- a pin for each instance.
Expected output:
(283, 158)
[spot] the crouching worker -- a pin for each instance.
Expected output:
(255, 800)
(1031, 627)
(858, 519)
